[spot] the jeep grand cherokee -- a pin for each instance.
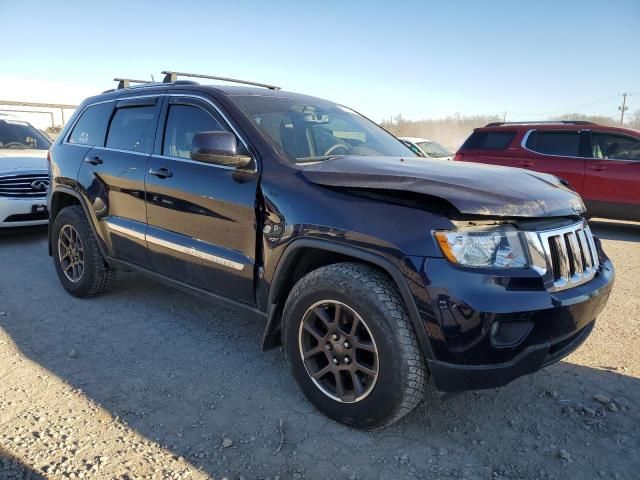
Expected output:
(377, 270)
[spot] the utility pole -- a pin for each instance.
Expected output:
(504, 117)
(623, 108)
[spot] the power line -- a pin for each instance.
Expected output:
(569, 109)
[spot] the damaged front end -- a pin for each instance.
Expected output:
(520, 280)
(472, 189)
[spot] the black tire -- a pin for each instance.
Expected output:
(96, 276)
(401, 369)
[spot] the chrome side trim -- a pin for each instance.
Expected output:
(196, 253)
(225, 262)
(188, 160)
(529, 132)
(119, 150)
(126, 231)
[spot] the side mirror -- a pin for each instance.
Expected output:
(219, 148)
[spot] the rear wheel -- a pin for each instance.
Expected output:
(351, 346)
(76, 255)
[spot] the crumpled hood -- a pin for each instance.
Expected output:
(13, 160)
(471, 188)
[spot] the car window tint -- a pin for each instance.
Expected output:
(92, 125)
(183, 122)
(132, 128)
(563, 143)
(16, 134)
(498, 140)
(614, 147)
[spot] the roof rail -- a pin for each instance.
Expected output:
(170, 77)
(126, 82)
(551, 122)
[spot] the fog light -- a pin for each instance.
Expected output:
(495, 328)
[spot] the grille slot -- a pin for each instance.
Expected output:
(571, 256)
(21, 186)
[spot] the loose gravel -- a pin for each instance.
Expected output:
(147, 382)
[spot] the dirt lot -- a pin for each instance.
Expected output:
(147, 382)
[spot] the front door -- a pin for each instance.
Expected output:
(201, 217)
(612, 178)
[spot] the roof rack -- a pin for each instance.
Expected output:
(170, 77)
(126, 82)
(552, 122)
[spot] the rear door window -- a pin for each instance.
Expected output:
(92, 125)
(498, 140)
(563, 143)
(132, 129)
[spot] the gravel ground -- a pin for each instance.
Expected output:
(147, 382)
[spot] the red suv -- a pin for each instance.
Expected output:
(601, 163)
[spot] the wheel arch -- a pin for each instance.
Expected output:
(64, 197)
(305, 255)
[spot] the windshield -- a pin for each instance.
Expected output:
(434, 149)
(309, 130)
(16, 134)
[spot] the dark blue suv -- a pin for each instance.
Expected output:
(377, 270)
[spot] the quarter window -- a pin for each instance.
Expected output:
(610, 146)
(132, 129)
(563, 143)
(92, 125)
(498, 140)
(183, 122)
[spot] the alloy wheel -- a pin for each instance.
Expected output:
(338, 351)
(71, 253)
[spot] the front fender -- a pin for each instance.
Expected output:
(399, 273)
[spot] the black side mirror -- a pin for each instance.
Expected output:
(219, 148)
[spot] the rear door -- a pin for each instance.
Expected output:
(201, 217)
(113, 175)
(494, 147)
(558, 152)
(612, 178)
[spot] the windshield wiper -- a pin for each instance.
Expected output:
(319, 158)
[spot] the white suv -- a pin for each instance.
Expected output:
(24, 177)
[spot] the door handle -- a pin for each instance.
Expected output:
(526, 164)
(599, 168)
(161, 172)
(93, 160)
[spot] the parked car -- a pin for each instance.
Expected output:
(376, 269)
(23, 174)
(427, 148)
(601, 163)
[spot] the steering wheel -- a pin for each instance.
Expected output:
(336, 147)
(12, 144)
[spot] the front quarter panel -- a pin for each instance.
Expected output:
(295, 208)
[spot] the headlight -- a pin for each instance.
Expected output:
(500, 247)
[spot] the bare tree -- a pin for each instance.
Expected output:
(635, 120)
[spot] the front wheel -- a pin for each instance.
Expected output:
(352, 347)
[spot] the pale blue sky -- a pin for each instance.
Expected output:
(422, 59)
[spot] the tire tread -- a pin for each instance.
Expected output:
(388, 295)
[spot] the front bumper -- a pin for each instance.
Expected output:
(18, 212)
(459, 307)
(449, 377)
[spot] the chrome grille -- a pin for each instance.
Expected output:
(24, 186)
(565, 257)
